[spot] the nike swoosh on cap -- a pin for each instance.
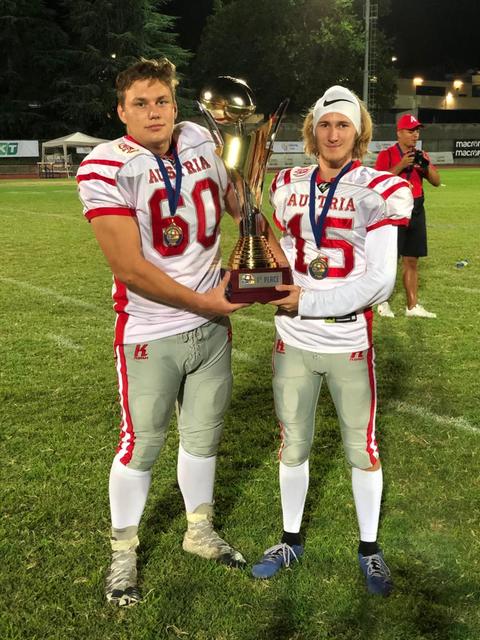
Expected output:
(327, 103)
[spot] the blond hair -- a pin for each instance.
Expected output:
(161, 69)
(362, 140)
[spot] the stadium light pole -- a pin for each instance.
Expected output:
(367, 52)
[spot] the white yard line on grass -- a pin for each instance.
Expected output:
(242, 356)
(468, 290)
(257, 321)
(36, 193)
(51, 293)
(64, 343)
(40, 213)
(421, 412)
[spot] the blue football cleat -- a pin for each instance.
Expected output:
(376, 573)
(275, 558)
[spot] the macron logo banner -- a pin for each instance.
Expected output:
(19, 149)
(466, 149)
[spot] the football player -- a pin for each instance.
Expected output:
(154, 199)
(404, 160)
(339, 221)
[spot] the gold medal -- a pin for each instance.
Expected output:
(172, 235)
(318, 268)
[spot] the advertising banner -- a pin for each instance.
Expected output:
(19, 149)
(466, 149)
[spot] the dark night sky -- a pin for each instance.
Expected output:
(435, 37)
(430, 37)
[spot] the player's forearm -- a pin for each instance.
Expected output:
(433, 176)
(143, 278)
(372, 287)
(149, 282)
(397, 169)
(366, 291)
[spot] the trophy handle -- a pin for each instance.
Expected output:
(213, 127)
(249, 185)
(277, 119)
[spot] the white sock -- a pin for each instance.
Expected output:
(196, 476)
(128, 490)
(367, 492)
(293, 492)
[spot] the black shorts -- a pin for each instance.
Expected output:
(412, 240)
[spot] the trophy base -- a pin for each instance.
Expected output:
(258, 285)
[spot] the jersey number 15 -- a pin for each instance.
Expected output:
(295, 227)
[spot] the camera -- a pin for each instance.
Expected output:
(420, 159)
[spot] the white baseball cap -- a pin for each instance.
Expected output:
(338, 100)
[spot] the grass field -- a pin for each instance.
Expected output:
(59, 411)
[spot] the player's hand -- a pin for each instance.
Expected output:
(423, 162)
(407, 159)
(290, 302)
(215, 302)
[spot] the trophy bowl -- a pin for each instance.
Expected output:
(228, 100)
(254, 269)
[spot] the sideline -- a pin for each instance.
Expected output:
(44, 291)
(421, 412)
(61, 216)
(64, 343)
(257, 321)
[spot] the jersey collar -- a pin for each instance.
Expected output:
(166, 156)
(320, 180)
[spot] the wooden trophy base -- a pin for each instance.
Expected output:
(258, 285)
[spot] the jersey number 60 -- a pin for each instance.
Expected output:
(161, 222)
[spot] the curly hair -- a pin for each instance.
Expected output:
(144, 69)
(362, 140)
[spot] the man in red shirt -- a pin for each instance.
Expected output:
(403, 159)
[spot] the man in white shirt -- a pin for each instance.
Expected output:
(339, 222)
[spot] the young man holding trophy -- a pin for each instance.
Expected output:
(339, 221)
(155, 198)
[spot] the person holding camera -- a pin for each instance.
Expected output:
(405, 160)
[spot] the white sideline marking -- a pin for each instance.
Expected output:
(421, 412)
(242, 356)
(51, 293)
(40, 213)
(468, 290)
(63, 342)
(257, 321)
(66, 189)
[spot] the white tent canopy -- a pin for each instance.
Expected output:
(73, 140)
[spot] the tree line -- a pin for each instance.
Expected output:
(59, 58)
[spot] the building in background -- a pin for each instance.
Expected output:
(453, 100)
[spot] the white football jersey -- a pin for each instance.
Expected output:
(123, 178)
(364, 200)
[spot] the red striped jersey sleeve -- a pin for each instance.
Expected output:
(282, 178)
(397, 200)
(98, 188)
(277, 222)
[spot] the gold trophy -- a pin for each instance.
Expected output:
(254, 271)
